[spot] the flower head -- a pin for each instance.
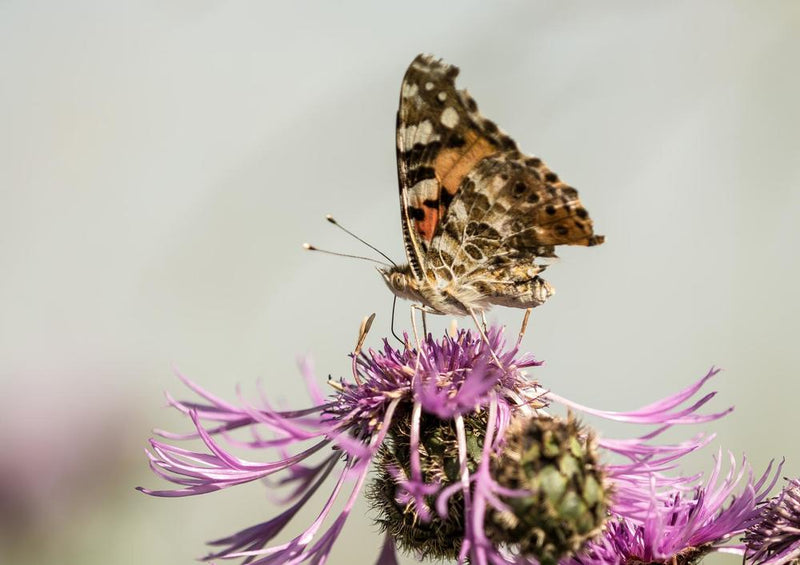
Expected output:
(775, 538)
(444, 380)
(440, 424)
(682, 526)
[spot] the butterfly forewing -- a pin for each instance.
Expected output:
(440, 138)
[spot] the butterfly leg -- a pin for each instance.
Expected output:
(423, 312)
(483, 321)
(416, 337)
(485, 337)
(414, 308)
(524, 325)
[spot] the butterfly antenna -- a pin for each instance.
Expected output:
(332, 220)
(310, 247)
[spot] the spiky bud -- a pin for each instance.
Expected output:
(439, 461)
(556, 460)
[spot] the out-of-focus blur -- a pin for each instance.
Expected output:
(162, 163)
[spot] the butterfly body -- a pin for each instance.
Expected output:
(446, 294)
(478, 215)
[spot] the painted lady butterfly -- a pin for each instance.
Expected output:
(476, 212)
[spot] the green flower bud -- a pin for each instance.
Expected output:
(556, 460)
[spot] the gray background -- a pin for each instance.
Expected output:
(162, 162)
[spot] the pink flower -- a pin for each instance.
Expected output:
(680, 525)
(775, 538)
(395, 397)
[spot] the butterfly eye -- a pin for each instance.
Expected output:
(398, 281)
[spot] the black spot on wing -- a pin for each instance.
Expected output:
(416, 213)
(507, 143)
(569, 192)
(419, 174)
(446, 198)
(482, 230)
(420, 152)
(472, 106)
(455, 141)
(452, 230)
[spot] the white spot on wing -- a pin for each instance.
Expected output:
(457, 209)
(409, 89)
(427, 189)
(449, 117)
(429, 85)
(424, 132)
(410, 134)
(442, 96)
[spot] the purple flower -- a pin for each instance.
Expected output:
(775, 538)
(433, 422)
(681, 526)
(644, 461)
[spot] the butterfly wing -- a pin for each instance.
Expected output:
(476, 212)
(441, 137)
(510, 210)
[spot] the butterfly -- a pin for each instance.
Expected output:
(477, 214)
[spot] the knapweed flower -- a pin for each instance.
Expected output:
(775, 538)
(681, 526)
(469, 462)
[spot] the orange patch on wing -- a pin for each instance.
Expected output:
(426, 227)
(452, 165)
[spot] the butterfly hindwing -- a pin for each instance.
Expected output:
(509, 211)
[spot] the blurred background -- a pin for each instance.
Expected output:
(163, 161)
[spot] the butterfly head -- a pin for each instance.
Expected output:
(401, 281)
